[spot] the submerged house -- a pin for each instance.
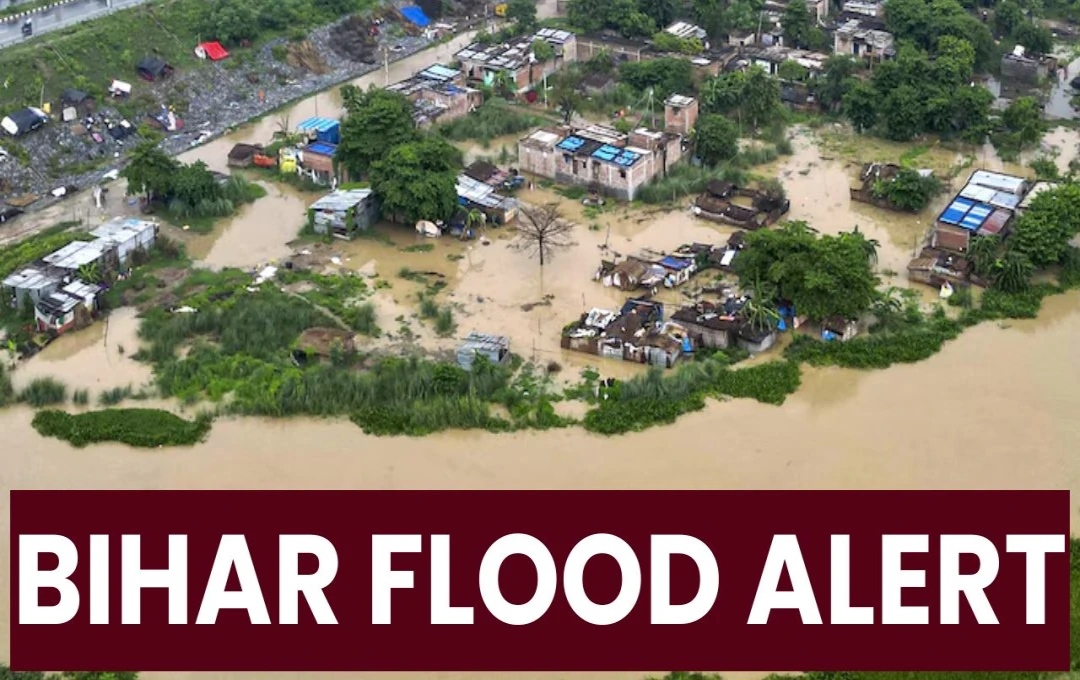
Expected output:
(745, 208)
(495, 348)
(438, 94)
(481, 63)
(839, 328)
(474, 194)
(871, 177)
(62, 309)
(343, 214)
(712, 325)
(636, 333)
(600, 157)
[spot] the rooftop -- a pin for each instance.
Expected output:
(485, 342)
(76, 254)
(120, 230)
(511, 55)
(855, 29)
(679, 101)
(31, 279)
(683, 29)
(341, 200)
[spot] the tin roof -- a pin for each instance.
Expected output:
(121, 229)
(997, 181)
(679, 100)
(439, 72)
(341, 200)
(317, 124)
(76, 254)
(484, 342)
(31, 279)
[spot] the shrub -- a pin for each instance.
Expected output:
(148, 428)
(7, 390)
(114, 396)
(493, 119)
(80, 397)
(44, 392)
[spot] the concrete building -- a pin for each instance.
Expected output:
(1016, 66)
(481, 63)
(439, 94)
(680, 114)
(869, 8)
(862, 42)
(600, 157)
(620, 49)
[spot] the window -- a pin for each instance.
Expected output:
(622, 173)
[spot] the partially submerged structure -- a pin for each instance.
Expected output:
(647, 269)
(494, 348)
(872, 177)
(636, 333)
(438, 94)
(53, 285)
(1017, 66)
(474, 194)
(741, 207)
(482, 63)
(600, 157)
(343, 214)
(986, 206)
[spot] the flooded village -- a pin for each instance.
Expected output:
(549, 247)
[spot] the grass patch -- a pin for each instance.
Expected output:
(687, 180)
(39, 245)
(657, 398)
(7, 390)
(80, 397)
(142, 427)
(114, 396)
(342, 296)
(492, 119)
(44, 392)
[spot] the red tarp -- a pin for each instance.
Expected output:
(214, 51)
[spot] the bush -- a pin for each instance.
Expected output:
(493, 119)
(7, 390)
(44, 392)
(909, 345)
(80, 397)
(148, 428)
(114, 396)
(687, 180)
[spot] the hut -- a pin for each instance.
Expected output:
(496, 348)
(243, 155)
(344, 213)
(152, 68)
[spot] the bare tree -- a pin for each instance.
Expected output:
(542, 230)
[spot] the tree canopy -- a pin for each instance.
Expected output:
(924, 22)
(823, 276)
(752, 95)
(716, 138)
(666, 76)
(150, 171)
(417, 180)
(909, 190)
(628, 17)
(1042, 233)
(522, 11)
(376, 121)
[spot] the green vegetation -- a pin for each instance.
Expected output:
(908, 190)
(191, 194)
(669, 42)
(665, 76)
(687, 180)
(628, 17)
(376, 121)
(7, 390)
(114, 396)
(716, 139)
(494, 119)
(1020, 127)
(8, 674)
(657, 398)
(418, 180)
(822, 276)
(341, 296)
(147, 428)
(80, 397)
(44, 392)
(39, 245)
(752, 97)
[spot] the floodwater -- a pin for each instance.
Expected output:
(1006, 420)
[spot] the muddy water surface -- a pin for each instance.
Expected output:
(995, 409)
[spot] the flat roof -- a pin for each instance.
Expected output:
(545, 137)
(997, 180)
(122, 229)
(31, 279)
(439, 72)
(679, 100)
(1035, 191)
(485, 341)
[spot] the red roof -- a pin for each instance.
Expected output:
(214, 51)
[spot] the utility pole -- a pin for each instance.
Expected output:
(386, 65)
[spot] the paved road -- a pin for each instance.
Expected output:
(64, 13)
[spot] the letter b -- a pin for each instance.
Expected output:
(32, 579)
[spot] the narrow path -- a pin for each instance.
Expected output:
(334, 317)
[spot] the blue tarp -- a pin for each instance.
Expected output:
(415, 15)
(325, 129)
(674, 263)
(321, 148)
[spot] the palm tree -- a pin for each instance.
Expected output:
(504, 84)
(1012, 273)
(869, 245)
(761, 314)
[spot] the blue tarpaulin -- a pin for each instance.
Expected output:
(325, 129)
(415, 15)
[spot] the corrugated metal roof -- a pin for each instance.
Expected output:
(439, 72)
(81, 289)
(341, 200)
(997, 181)
(76, 254)
(31, 279)
(317, 124)
(122, 229)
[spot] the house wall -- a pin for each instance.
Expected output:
(708, 337)
(1026, 70)
(537, 161)
(63, 324)
(681, 120)
(757, 347)
(587, 48)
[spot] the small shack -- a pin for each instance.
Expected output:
(343, 213)
(243, 155)
(79, 100)
(496, 348)
(317, 161)
(839, 328)
(318, 129)
(152, 68)
(24, 121)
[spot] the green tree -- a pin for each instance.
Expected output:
(1043, 231)
(418, 180)
(231, 21)
(1038, 40)
(1023, 120)
(1007, 16)
(1012, 273)
(377, 121)
(835, 81)
(590, 15)
(954, 62)
(543, 50)
(194, 184)
(665, 76)
(662, 12)
(823, 277)
(903, 113)
(567, 99)
(860, 106)
(150, 172)
(792, 70)
(797, 23)
(716, 138)
(909, 190)
(760, 97)
(522, 11)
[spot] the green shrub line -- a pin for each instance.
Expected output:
(142, 427)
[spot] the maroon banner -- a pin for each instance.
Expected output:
(539, 580)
